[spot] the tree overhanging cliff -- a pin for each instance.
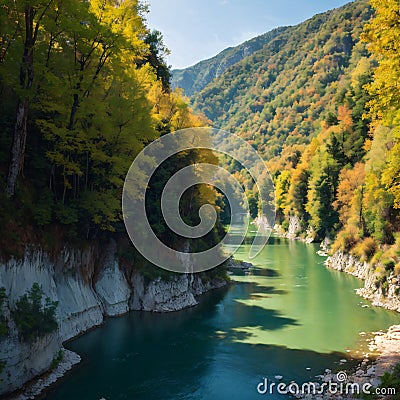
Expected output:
(84, 88)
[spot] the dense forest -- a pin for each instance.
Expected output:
(320, 101)
(84, 86)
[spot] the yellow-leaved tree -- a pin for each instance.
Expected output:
(383, 36)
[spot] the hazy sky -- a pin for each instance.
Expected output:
(198, 29)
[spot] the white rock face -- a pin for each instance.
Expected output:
(17, 276)
(262, 222)
(79, 309)
(26, 360)
(34, 388)
(294, 227)
(200, 287)
(115, 302)
(362, 270)
(79, 306)
(85, 294)
(349, 264)
(168, 295)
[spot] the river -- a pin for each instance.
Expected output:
(291, 317)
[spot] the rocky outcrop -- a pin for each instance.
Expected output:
(261, 222)
(325, 246)
(347, 263)
(35, 387)
(294, 227)
(115, 302)
(174, 294)
(388, 298)
(295, 230)
(88, 287)
(161, 296)
(25, 361)
(388, 346)
(236, 264)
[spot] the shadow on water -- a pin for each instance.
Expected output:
(270, 273)
(192, 355)
(264, 319)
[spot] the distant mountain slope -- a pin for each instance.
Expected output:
(280, 94)
(195, 78)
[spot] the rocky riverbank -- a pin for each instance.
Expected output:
(294, 229)
(388, 298)
(386, 345)
(88, 287)
(367, 375)
(241, 265)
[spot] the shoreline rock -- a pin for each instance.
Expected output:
(351, 265)
(236, 264)
(293, 232)
(38, 385)
(387, 347)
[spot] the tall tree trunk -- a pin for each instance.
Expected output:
(18, 146)
(26, 81)
(74, 109)
(26, 77)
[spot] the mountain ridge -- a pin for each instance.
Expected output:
(194, 78)
(280, 94)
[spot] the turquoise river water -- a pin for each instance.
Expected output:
(291, 316)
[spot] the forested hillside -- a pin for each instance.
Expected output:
(321, 104)
(195, 78)
(279, 95)
(84, 87)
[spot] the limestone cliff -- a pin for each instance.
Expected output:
(88, 288)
